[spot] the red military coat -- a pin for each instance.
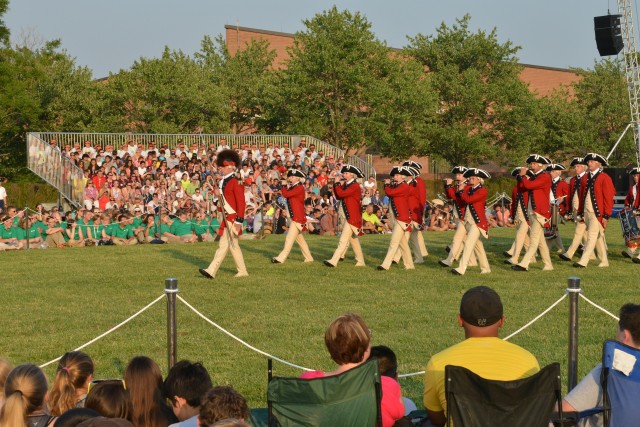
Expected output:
(560, 188)
(602, 191)
(234, 198)
(417, 199)
(476, 198)
(575, 186)
(399, 200)
(629, 200)
(349, 194)
(539, 187)
(295, 202)
(519, 197)
(461, 205)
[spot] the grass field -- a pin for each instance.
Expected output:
(56, 300)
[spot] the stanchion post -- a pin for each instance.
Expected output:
(27, 225)
(171, 289)
(573, 288)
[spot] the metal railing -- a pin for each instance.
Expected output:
(113, 141)
(47, 161)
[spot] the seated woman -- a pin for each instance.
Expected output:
(439, 219)
(25, 392)
(69, 389)
(144, 382)
(109, 398)
(348, 340)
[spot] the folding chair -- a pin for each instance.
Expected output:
(473, 401)
(620, 381)
(351, 399)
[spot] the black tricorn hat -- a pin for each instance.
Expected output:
(597, 157)
(413, 171)
(296, 172)
(577, 161)
(412, 164)
(401, 170)
(477, 172)
(458, 169)
(634, 171)
(352, 169)
(227, 157)
(537, 158)
(556, 167)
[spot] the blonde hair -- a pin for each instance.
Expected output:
(74, 369)
(5, 368)
(25, 390)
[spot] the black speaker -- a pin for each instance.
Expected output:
(608, 34)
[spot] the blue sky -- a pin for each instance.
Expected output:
(107, 36)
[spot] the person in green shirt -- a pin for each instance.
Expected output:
(9, 235)
(123, 233)
(154, 231)
(181, 229)
(138, 224)
(84, 223)
(27, 232)
(105, 230)
(202, 227)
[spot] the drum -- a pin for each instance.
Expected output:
(551, 232)
(630, 230)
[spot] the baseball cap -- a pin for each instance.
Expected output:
(481, 306)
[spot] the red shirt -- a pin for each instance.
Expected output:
(519, 197)
(461, 206)
(295, 202)
(350, 196)
(98, 181)
(415, 204)
(560, 188)
(629, 200)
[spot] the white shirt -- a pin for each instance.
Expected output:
(3, 193)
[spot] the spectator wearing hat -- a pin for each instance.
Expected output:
(399, 192)
(232, 207)
(573, 206)
(557, 197)
(596, 206)
(520, 215)
(539, 187)
(475, 220)
(438, 221)
(348, 191)
(482, 351)
(295, 194)
(457, 243)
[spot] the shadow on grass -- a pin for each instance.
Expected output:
(188, 258)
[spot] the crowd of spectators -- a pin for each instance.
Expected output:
(156, 194)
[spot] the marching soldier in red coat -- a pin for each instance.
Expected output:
(520, 217)
(294, 193)
(232, 207)
(596, 205)
(633, 201)
(398, 193)
(539, 186)
(558, 197)
(475, 220)
(457, 244)
(349, 192)
(573, 207)
(418, 200)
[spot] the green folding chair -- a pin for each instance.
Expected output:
(351, 399)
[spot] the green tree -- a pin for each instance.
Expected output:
(4, 30)
(171, 94)
(244, 79)
(480, 94)
(603, 100)
(346, 87)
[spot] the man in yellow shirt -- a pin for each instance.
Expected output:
(481, 352)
